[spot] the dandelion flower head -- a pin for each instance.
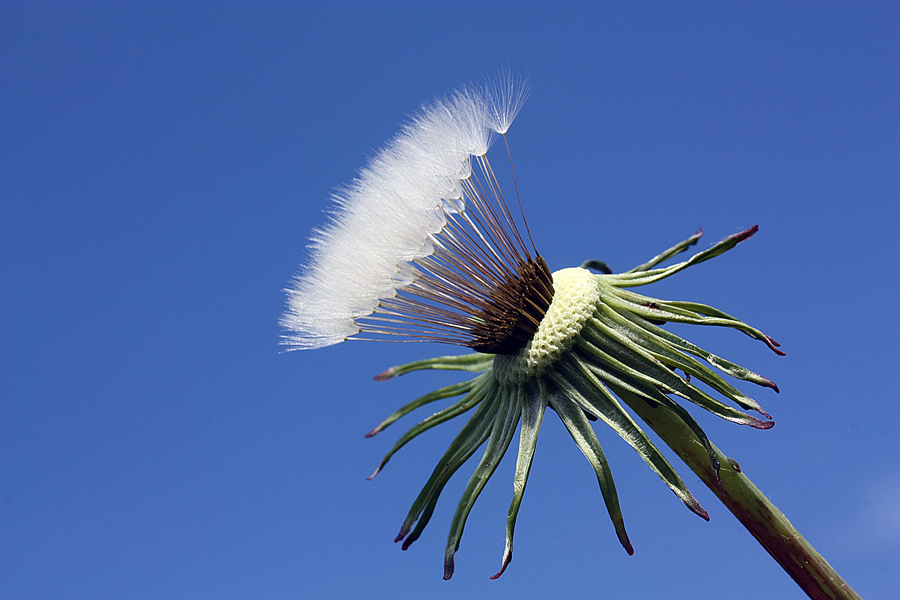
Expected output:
(423, 246)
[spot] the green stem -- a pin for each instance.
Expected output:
(751, 507)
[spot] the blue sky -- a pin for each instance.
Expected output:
(161, 166)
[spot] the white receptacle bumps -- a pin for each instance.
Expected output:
(575, 296)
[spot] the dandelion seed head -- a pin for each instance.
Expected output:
(422, 246)
(421, 241)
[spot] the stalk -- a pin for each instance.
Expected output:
(751, 507)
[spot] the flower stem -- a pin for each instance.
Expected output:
(751, 507)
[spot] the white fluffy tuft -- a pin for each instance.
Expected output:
(506, 96)
(387, 217)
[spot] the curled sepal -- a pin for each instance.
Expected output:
(577, 381)
(666, 402)
(664, 256)
(606, 345)
(505, 421)
(580, 429)
(663, 352)
(661, 311)
(449, 391)
(474, 362)
(533, 404)
(597, 265)
(715, 313)
(470, 438)
(641, 276)
(679, 344)
(472, 399)
(651, 394)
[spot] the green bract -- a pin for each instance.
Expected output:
(598, 346)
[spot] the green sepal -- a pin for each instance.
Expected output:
(580, 429)
(639, 276)
(471, 400)
(533, 405)
(666, 255)
(672, 358)
(667, 403)
(636, 363)
(470, 438)
(597, 265)
(679, 344)
(583, 386)
(654, 309)
(450, 391)
(474, 362)
(504, 426)
(607, 371)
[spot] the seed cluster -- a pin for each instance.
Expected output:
(517, 307)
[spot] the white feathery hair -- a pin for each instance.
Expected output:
(389, 215)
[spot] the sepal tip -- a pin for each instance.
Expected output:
(448, 568)
(507, 558)
(386, 375)
(746, 234)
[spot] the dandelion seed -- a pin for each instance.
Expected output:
(423, 246)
